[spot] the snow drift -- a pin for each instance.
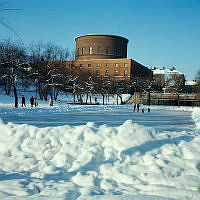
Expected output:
(89, 162)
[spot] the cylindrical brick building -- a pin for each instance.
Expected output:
(99, 46)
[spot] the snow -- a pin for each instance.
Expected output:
(191, 83)
(109, 152)
(166, 71)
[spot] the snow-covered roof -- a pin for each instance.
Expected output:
(166, 71)
(190, 82)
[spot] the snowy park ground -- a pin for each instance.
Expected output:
(109, 152)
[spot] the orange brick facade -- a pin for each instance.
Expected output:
(106, 56)
(118, 69)
(100, 47)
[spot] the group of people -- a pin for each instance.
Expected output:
(32, 101)
(137, 106)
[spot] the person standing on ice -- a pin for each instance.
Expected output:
(23, 101)
(138, 107)
(32, 101)
(134, 108)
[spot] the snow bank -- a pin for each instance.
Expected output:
(196, 117)
(90, 162)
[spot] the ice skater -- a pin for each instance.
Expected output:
(23, 101)
(32, 101)
(134, 108)
(138, 107)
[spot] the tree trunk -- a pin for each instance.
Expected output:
(16, 97)
(86, 99)
(51, 100)
(90, 100)
(40, 91)
(178, 100)
(45, 95)
(103, 98)
(7, 87)
(149, 98)
(74, 97)
(56, 95)
(121, 102)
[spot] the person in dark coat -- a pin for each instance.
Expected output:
(138, 107)
(134, 108)
(148, 109)
(32, 101)
(23, 101)
(143, 110)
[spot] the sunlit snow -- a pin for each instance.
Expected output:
(96, 152)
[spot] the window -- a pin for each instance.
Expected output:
(107, 50)
(115, 51)
(89, 65)
(126, 65)
(81, 65)
(121, 52)
(77, 52)
(83, 51)
(98, 50)
(98, 65)
(116, 65)
(97, 73)
(116, 73)
(118, 52)
(107, 65)
(107, 73)
(90, 50)
(125, 72)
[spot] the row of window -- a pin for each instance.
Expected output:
(108, 51)
(116, 73)
(107, 65)
(107, 73)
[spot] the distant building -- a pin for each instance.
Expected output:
(191, 86)
(171, 80)
(191, 83)
(105, 56)
(167, 74)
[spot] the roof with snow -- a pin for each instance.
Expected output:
(191, 82)
(166, 71)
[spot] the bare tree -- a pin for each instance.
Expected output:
(14, 66)
(47, 51)
(47, 62)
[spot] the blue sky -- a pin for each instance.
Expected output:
(161, 33)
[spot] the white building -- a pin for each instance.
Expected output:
(170, 80)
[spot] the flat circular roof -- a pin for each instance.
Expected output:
(102, 35)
